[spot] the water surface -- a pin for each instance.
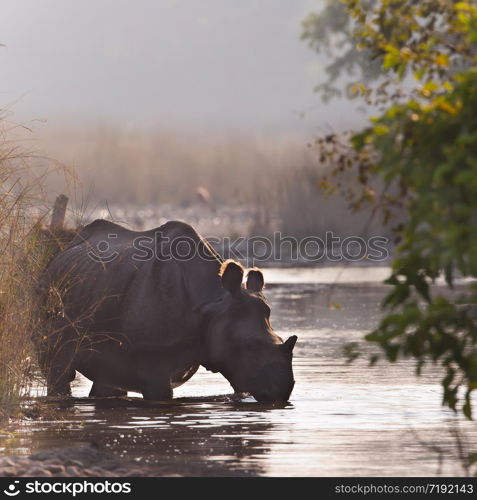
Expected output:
(343, 419)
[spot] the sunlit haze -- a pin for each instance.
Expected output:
(209, 65)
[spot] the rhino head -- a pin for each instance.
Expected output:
(240, 342)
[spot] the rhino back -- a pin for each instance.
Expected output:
(147, 302)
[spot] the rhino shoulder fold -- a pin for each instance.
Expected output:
(178, 228)
(98, 227)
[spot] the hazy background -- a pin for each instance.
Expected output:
(195, 65)
(153, 103)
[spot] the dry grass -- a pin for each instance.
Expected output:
(22, 256)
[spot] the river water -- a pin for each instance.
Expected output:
(342, 419)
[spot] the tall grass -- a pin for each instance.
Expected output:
(21, 258)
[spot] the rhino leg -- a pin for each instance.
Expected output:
(60, 371)
(58, 380)
(56, 353)
(157, 391)
(105, 391)
(156, 394)
(155, 378)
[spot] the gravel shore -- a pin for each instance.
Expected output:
(72, 462)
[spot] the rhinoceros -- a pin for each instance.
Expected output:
(141, 311)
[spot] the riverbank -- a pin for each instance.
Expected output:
(73, 462)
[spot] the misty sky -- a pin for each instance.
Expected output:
(197, 65)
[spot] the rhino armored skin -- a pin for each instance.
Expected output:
(131, 311)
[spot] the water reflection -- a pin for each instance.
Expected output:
(190, 436)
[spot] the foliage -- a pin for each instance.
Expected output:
(330, 32)
(423, 149)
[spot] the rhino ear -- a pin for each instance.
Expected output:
(232, 276)
(255, 280)
(289, 344)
